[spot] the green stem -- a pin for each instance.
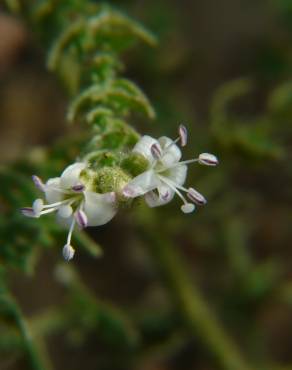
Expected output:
(33, 354)
(195, 311)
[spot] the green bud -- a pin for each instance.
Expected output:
(135, 164)
(108, 179)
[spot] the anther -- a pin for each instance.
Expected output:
(196, 197)
(156, 151)
(78, 188)
(183, 135)
(38, 183)
(37, 207)
(68, 252)
(81, 218)
(27, 211)
(208, 159)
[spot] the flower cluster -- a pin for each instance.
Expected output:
(166, 173)
(74, 198)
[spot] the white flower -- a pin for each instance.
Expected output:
(72, 198)
(166, 174)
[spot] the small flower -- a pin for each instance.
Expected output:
(71, 196)
(166, 174)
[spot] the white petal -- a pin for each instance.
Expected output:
(144, 147)
(64, 222)
(155, 200)
(178, 174)
(171, 152)
(141, 184)
(99, 208)
(166, 194)
(65, 211)
(38, 206)
(70, 175)
(152, 199)
(52, 192)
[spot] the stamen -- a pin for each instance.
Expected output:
(70, 232)
(183, 135)
(186, 207)
(50, 210)
(165, 196)
(178, 164)
(196, 197)
(78, 188)
(27, 211)
(38, 183)
(177, 185)
(37, 207)
(81, 218)
(68, 252)
(62, 202)
(208, 159)
(156, 151)
(173, 187)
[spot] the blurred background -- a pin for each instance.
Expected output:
(223, 68)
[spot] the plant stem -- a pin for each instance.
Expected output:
(33, 354)
(198, 317)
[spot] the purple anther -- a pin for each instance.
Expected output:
(81, 218)
(38, 183)
(165, 196)
(156, 151)
(183, 135)
(27, 211)
(78, 188)
(196, 197)
(208, 159)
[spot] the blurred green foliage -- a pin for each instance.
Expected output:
(232, 246)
